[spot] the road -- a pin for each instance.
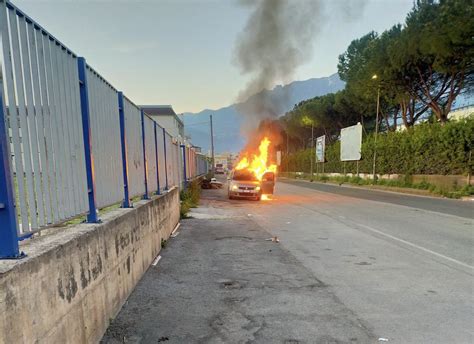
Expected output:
(436, 204)
(351, 266)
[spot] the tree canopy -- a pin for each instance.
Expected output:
(418, 69)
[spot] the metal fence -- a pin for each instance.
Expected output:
(70, 143)
(105, 138)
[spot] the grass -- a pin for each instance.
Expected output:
(402, 183)
(189, 198)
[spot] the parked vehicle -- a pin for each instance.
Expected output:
(244, 184)
(219, 169)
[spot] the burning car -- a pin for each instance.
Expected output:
(253, 177)
(244, 184)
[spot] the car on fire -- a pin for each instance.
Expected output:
(244, 184)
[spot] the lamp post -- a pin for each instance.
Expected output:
(374, 77)
(312, 148)
(306, 120)
(287, 155)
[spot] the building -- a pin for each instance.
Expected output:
(462, 112)
(227, 160)
(165, 116)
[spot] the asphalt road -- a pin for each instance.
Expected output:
(351, 266)
(440, 205)
(406, 270)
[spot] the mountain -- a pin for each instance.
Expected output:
(227, 120)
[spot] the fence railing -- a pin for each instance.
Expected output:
(71, 143)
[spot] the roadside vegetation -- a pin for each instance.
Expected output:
(403, 184)
(189, 197)
(427, 148)
(419, 69)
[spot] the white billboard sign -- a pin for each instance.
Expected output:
(278, 158)
(320, 147)
(351, 142)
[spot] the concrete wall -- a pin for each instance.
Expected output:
(75, 280)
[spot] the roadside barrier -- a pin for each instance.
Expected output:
(70, 143)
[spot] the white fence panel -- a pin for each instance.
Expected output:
(44, 120)
(44, 126)
(176, 165)
(161, 157)
(133, 137)
(106, 147)
(169, 160)
(150, 154)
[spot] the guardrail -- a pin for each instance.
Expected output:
(70, 143)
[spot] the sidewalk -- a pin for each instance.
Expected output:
(221, 281)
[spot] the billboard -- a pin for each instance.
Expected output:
(278, 158)
(320, 147)
(351, 142)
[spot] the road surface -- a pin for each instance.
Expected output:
(351, 266)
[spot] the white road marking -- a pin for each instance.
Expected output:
(421, 248)
(417, 246)
(176, 228)
(157, 259)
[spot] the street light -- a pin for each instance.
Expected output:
(374, 77)
(306, 121)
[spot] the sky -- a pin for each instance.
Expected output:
(181, 52)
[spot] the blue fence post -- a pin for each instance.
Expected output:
(92, 217)
(166, 164)
(158, 192)
(123, 143)
(183, 147)
(145, 163)
(9, 248)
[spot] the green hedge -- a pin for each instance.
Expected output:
(424, 149)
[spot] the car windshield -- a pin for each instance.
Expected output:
(244, 175)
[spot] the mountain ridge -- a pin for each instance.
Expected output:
(227, 119)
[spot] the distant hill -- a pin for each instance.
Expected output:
(227, 120)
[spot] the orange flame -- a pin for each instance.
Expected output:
(258, 163)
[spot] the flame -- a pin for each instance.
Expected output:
(266, 197)
(258, 164)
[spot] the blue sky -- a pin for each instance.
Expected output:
(180, 52)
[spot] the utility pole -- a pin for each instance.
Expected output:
(376, 132)
(212, 146)
(312, 148)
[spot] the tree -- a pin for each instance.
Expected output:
(396, 101)
(421, 68)
(433, 57)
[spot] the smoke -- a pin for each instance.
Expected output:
(278, 38)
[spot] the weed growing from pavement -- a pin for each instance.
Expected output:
(190, 197)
